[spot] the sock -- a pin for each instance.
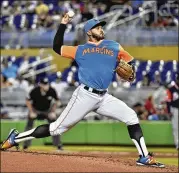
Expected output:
(41, 131)
(136, 135)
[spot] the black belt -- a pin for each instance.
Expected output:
(95, 91)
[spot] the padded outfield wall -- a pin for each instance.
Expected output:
(157, 133)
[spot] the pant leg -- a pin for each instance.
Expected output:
(56, 139)
(29, 126)
(117, 109)
(81, 103)
(174, 120)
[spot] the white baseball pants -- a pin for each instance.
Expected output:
(82, 102)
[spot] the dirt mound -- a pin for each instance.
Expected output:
(12, 161)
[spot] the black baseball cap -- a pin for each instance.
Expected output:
(44, 81)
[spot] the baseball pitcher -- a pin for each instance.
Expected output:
(97, 61)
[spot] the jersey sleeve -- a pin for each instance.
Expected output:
(69, 51)
(122, 54)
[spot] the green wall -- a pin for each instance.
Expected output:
(103, 133)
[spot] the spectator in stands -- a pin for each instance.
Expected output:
(171, 21)
(161, 114)
(149, 105)
(48, 23)
(59, 9)
(21, 83)
(161, 22)
(173, 107)
(10, 70)
(4, 82)
(86, 14)
(42, 102)
(141, 112)
(24, 65)
(3, 113)
(101, 8)
(41, 8)
(159, 94)
(5, 8)
(157, 80)
(42, 11)
(146, 80)
(77, 18)
(136, 3)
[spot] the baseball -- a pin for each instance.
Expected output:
(71, 13)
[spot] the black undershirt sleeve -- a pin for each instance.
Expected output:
(58, 39)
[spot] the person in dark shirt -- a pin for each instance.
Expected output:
(86, 14)
(173, 107)
(41, 102)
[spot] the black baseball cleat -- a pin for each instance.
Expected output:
(149, 161)
(10, 141)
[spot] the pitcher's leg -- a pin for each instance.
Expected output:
(79, 105)
(117, 109)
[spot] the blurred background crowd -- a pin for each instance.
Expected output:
(32, 24)
(30, 15)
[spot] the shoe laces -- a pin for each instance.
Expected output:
(151, 158)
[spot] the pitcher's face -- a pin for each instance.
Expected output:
(97, 33)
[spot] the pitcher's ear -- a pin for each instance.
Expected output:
(89, 33)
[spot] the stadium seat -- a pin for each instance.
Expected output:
(32, 59)
(18, 61)
(54, 76)
(19, 21)
(32, 21)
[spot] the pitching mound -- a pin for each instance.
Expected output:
(13, 161)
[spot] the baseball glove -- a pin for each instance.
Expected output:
(125, 71)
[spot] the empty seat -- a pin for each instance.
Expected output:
(19, 21)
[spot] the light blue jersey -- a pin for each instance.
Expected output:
(97, 63)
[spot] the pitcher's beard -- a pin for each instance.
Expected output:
(98, 37)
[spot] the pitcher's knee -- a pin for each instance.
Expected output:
(133, 119)
(57, 129)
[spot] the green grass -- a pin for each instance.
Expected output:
(107, 148)
(169, 161)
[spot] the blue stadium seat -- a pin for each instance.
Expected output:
(32, 59)
(4, 20)
(32, 20)
(53, 76)
(76, 76)
(155, 66)
(11, 58)
(41, 75)
(168, 66)
(18, 61)
(65, 74)
(142, 66)
(17, 21)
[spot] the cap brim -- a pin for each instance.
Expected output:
(44, 83)
(102, 23)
